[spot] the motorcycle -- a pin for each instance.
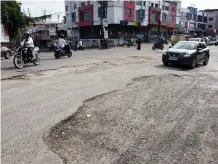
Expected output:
(158, 45)
(131, 43)
(22, 57)
(77, 47)
(59, 52)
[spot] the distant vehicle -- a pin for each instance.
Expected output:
(177, 38)
(206, 39)
(60, 52)
(197, 39)
(216, 44)
(187, 53)
(5, 52)
(212, 38)
(158, 44)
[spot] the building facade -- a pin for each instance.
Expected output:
(212, 21)
(4, 34)
(193, 21)
(131, 17)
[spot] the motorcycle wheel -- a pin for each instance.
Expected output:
(37, 60)
(153, 48)
(18, 62)
(70, 54)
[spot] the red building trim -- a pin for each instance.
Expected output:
(129, 5)
(86, 8)
(172, 14)
(156, 11)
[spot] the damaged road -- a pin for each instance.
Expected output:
(156, 119)
(144, 112)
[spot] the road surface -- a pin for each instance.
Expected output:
(129, 109)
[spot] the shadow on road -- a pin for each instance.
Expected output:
(176, 67)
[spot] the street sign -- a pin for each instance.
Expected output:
(104, 22)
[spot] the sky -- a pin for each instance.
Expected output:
(37, 7)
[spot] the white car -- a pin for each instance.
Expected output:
(206, 39)
(5, 52)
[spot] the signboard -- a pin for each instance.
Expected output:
(132, 23)
(104, 22)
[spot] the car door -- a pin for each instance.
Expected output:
(204, 49)
(199, 53)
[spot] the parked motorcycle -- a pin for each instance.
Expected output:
(22, 57)
(60, 52)
(158, 45)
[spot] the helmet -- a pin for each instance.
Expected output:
(61, 36)
(26, 34)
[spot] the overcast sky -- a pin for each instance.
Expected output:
(37, 7)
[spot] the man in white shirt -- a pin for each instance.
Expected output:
(61, 42)
(28, 42)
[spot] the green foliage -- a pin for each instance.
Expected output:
(12, 16)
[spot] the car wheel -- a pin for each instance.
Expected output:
(153, 47)
(194, 63)
(7, 54)
(206, 60)
(166, 63)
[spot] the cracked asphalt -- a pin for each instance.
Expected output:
(113, 106)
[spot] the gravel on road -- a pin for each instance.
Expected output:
(154, 119)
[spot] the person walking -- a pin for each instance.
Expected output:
(139, 42)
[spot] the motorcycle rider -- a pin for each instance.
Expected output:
(61, 42)
(28, 42)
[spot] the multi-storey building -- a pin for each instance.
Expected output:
(212, 21)
(201, 22)
(84, 17)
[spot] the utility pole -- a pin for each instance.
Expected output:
(103, 16)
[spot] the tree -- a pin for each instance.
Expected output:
(12, 16)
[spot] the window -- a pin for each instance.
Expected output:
(154, 17)
(88, 2)
(173, 19)
(203, 46)
(84, 16)
(129, 12)
(152, 4)
(167, 8)
(144, 3)
(82, 4)
(74, 6)
(210, 26)
(205, 19)
(156, 5)
(210, 19)
(163, 7)
(66, 8)
(173, 10)
(164, 17)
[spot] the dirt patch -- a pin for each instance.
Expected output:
(155, 119)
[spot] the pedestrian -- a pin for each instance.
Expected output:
(139, 42)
